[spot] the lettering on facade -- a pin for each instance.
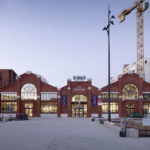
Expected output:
(79, 78)
(79, 88)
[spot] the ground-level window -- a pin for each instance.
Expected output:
(9, 107)
(113, 107)
(49, 107)
(146, 106)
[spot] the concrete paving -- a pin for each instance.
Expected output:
(64, 134)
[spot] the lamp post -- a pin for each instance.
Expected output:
(107, 28)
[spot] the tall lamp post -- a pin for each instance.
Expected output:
(107, 28)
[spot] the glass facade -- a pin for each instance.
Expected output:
(146, 96)
(79, 106)
(113, 107)
(130, 92)
(79, 98)
(146, 106)
(49, 107)
(113, 96)
(48, 96)
(29, 92)
(9, 107)
(8, 96)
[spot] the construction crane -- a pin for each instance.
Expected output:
(140, 7)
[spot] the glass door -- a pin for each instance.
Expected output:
(79, 110)
(29, 109)
(130, 107)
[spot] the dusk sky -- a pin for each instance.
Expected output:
(62, 38)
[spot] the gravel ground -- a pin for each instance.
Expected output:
(64, 134)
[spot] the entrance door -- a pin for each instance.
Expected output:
(130, 107)
(79, 106)
(29, 109)
(79, 112)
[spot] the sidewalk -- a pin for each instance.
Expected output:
(64, 134)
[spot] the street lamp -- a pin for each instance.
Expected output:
(107, 28)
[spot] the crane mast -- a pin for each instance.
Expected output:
(140, 32)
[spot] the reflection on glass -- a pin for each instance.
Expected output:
(129, 92)
(28, 92)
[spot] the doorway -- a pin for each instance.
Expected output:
(29, 109)
(79, 106)
(130, 108)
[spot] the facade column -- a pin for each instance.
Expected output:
(120, 106)
(99, 108)
(89, 98)
(140, 104)
(58, 105)
(69, 101)
(0, 103)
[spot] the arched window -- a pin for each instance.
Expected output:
(79, 98)
(28, 92)
(130, 92)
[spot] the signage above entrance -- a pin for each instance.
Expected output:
(79, 78)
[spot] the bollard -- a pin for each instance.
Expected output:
(123, 128)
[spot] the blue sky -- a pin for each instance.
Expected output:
(62, 38)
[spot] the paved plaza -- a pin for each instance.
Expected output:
(64, 134)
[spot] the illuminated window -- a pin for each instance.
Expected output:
(28, 92)
(79, 98)
(146, 96)
(8, 96)
(113, 96)
(130, 92)
(146, 106)
(49, 107)
(113, 107)
(48, 96)
(8, 107)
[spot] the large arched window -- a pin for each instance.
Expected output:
(28, 92)
(79, 98)
(130, 92)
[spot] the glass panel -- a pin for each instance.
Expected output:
(113, 96)
(79, 98)
(49, 107)
(146, 107)
(9, 107)
(8, 96)
(146, 96)
(48, 96)
(113, 107)
(29, 109)
(130, 92)
(28, 92)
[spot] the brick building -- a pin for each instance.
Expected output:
(129, 94)
(78, 99)
(31, 95)
(7, 76)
